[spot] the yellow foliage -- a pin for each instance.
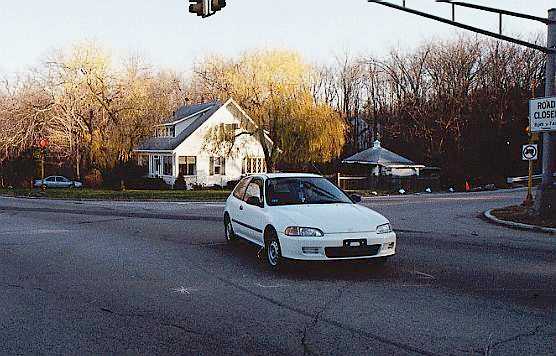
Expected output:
(272, 85)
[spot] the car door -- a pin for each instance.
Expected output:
(50, 182)
(63, 182)
(252, 215)
(235, 206)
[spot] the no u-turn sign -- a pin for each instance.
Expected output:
(529, 152)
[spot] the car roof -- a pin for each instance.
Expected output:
(291, 175)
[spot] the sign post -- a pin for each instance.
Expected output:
(545, 202)
(529, 153)
(43, 144)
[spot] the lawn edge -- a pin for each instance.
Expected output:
(139, 200)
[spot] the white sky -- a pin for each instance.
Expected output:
(168, 36)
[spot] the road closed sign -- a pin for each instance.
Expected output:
(529, 152)
(542, 114)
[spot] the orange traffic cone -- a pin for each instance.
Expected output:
(467, 186)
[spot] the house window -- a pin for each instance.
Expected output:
(188, 165)
(166, 131)
(253, 165)
(167, 165)
(231, 127)
(217, 166)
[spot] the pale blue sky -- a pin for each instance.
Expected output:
(168, 36)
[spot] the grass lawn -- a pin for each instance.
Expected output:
(102, 194)
(521, 214)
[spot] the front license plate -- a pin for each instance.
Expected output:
(355, 243)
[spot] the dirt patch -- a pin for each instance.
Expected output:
(524, 215)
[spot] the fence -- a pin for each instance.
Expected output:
(386, 183)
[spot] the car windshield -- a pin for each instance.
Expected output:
(303, 190)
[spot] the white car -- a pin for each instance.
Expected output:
(57, 182)
(305, 217)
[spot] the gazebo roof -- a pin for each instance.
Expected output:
(378, 155)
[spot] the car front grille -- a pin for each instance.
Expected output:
(360, 251)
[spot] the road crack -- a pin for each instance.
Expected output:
(490, 347)
(316, 319)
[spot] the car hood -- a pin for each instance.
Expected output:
(331, 218)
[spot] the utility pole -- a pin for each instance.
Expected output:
(545, 203)
(545, 200)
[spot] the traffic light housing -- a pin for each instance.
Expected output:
(205, 8)
(217, 5)
(197, 7)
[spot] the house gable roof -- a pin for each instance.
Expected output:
(379, 156)
(203, 111)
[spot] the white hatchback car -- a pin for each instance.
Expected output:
(305, 217)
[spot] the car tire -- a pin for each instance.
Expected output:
(273, 251)
(229, 230)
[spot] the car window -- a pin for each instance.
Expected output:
(49, 179)
(303, 190)
(239, 191)
(254, 189)
(61, 179)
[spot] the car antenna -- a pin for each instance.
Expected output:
(315, 167)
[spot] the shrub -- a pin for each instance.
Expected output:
(180, 183)
(145, 183)
(231, 184)
(94, 179)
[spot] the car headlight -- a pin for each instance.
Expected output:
(303, 231)
(383, 229)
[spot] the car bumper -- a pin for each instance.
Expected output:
(333, 246)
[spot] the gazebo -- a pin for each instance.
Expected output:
(379, 161)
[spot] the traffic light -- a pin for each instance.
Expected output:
(205, 8)
(198, 7)
(217, 5)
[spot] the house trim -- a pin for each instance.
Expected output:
(186, 118)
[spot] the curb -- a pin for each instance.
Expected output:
(547, 230)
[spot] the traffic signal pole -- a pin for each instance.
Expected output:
(546, 195)
(545, 202)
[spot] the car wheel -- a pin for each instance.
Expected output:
(229, 230)
(273, 251)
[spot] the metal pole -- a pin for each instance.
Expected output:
(42, 165)
(529, 199)
(546, 196)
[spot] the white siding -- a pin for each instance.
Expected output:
(248, 146)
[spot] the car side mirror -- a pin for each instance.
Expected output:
(356, 198)
(254, 201)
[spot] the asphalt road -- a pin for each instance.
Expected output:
(158, 278)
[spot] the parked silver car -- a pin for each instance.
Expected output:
(57, 182)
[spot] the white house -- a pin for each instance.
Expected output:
(179, 146)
